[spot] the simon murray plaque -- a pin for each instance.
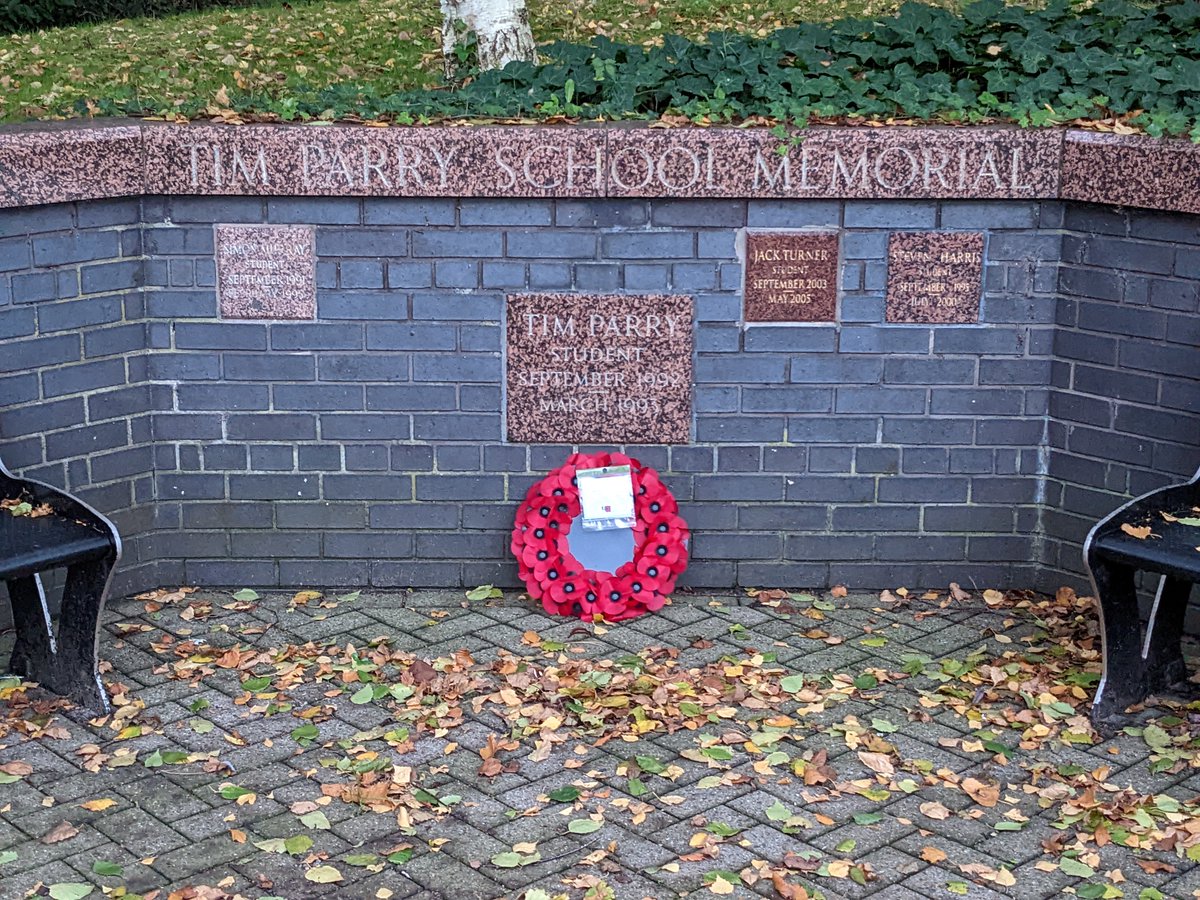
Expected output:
(266, 271)
(934, 277)
(599, 368)
(791, 276)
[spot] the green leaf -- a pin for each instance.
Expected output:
(720, 829)
(509, 859)
(7, 856)
(1149, 893)
(5, 778)
(846, 846)
(315, 819)
(360, 859)
(718, 754)
(232, 791)
(104, 867)
(69, 890)
(566, 794)
(245, 594)
(323, 875)
(866, 681)
(200, 726)
(400, 692)
(272, 845)
(485, 592)
(793, 684)
(867, 818)
(305, 734)
(584, 826)
(883, 726)
(400, 857)
(957, 887)
(875, 641)
(1189, 520)
(1009, 826)
(257, 683)
(1075, 868)
(777, 812)
(364, 694)
(297, 844)
(636, 788)
(198, 705)
(1156, 737)
(650, 765)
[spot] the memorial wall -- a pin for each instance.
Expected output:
(339, 356)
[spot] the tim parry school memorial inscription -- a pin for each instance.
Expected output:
(599, 368)
(934, 277)
(791, 276)
(266, 271)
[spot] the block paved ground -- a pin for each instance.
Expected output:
(857, 746)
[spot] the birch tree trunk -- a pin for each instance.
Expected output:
(501, 29)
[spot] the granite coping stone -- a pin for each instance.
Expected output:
(44, 163)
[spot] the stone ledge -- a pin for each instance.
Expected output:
(56, 162)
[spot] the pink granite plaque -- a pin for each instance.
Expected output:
(266, 271)
(934, 276)
(791, 276)
(599, 368)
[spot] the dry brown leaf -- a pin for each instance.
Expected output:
(17, 767)
(1141, 532)
(982, 793)
(877, 762)
(98, 805)
(932, 855)
(63, 831)
(785, 890)
(934, 810)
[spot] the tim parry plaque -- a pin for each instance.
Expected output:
(934, 277)
(791, 276)
(599, 368)
(266, 271)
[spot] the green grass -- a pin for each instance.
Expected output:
(389, 44)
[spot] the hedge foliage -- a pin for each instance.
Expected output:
(1067, 60)
(28, 16)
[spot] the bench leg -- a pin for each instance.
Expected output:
(1165, 668)
(78, 634)
(33, 654)
(1124, 680)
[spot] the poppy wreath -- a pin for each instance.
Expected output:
(565, 587)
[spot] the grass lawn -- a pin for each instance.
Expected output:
(392, 44)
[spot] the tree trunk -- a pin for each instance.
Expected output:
(501, 28)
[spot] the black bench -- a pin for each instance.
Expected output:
(87, 544)
(1138, 663)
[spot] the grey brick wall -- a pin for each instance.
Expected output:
(1125, 384)
(365, 447)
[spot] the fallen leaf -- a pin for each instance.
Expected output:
(1141, 532)
(323, 875)
(63, 831)
(982, 793)
(98, 805)
(932, 855)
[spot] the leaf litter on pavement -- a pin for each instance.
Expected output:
(636, 733)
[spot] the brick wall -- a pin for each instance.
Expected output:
(1125, 400)
(366, 447)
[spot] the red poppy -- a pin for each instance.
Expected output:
(560, 581)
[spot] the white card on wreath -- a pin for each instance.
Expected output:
(606, 496)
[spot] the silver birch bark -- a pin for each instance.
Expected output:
(501, 28)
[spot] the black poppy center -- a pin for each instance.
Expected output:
(661, 550)
(542, 554)
(655, 506)
(540, 533)
(614, 596)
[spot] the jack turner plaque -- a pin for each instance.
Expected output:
(791, 276)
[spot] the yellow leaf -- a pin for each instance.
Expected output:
(238, 836)
(323, 875)
(98, 805)
(839, 868)
(720, 886)
(932, 855)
